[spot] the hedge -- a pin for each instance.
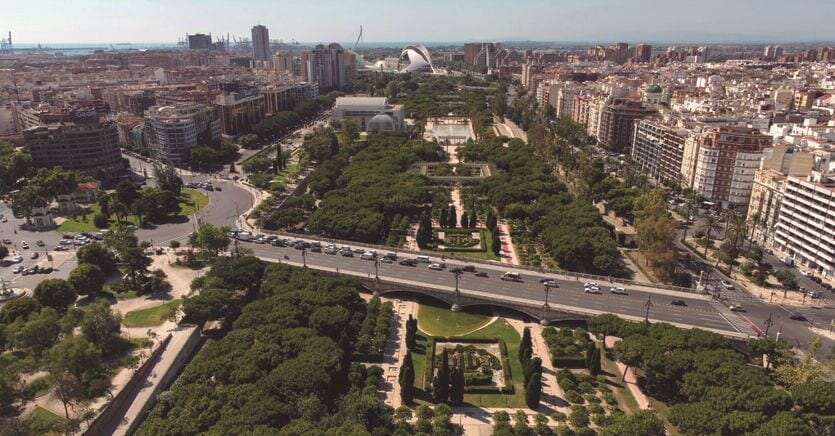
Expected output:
(508, 387)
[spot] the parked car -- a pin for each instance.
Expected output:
(39, 243)
(735, 308)
(34, 255)
(481, 274)
(17, 269)
(24, 245)
(678, 303)
(797, 317)
(728, 285)
(368, 255)
(592, 290)
(7, 241)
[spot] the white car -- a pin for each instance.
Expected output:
(618, 291)
(24, 245)
(736, 308)
(17, 269)
(728, 285)
(592, 290)
(17, 259)
(435, 266)
(368, 255)
(806, 273)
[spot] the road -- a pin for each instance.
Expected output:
(697, 312)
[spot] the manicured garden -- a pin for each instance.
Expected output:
(438, 320)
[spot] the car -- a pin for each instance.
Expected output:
(592, 290)
(7, 241)
(735, 308)
(728, 285)
(456, 270)
(368, 255)
(34, 255)
(315, 248)
(391, 256)
(481, 274)
(551, 283)
(45, 270)
(67, 236)
(618, 291)
(511, 277)
(331, 249)
(408, 262)
(17, 269)
(4, 220)
(347, 253)
(678, 303)
(797, 317)
(805, 273)
(39, 243)
(24, 245)
(17, 259)
(59, 248)
(386, 260)
(435, 266)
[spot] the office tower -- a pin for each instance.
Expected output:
(643, 53)
(199, 41)
(172, 131)
(79, 141)
(260, 43)
(328, 67)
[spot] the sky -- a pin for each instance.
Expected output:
(426, 21)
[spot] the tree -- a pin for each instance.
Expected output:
(4, 251)
(86, 279)
(102, 327)
(74, 365)
(787, 279)
(593, 360)
(525, 347)
(711, 224)
(211, 239)
(100, 220)
(167, 179)
(520, 426)
(98, 255)
(424, 231)
(473, 220)
(440, 385)
(55, 293)
(126, 192)
(805, 370)
(407, 379)
(491, 221)
(451, 218)
(643, 423)
(457, 385)
(465, 221)
(496, 245)
(411, 333)
(18, 308)
(533, 391)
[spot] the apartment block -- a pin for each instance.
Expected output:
(172, 131)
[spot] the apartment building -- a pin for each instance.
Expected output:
(286, 97)
(241, 107)
(172, 131)
(82, 143)
(725, 160)
(805, 230)
(617, 122)
(658, 148)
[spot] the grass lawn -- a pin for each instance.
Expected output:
(44, 422)
(152, 316)
(191, 201)
(501, 329)
(437, 320)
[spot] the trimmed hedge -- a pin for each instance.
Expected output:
(375, 331)
(508, 387)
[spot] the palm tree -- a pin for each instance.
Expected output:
(711, 223)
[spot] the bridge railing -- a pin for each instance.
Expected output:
(453, 256)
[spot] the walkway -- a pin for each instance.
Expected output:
(508, 252)
(631, 380)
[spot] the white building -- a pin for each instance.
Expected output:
(370, 113)
(172, 131)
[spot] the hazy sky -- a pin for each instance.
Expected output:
(55, 21)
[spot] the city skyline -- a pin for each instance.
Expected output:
(96, 21)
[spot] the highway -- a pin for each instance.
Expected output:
(698, 312)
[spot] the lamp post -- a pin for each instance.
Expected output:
(648, 304)
(456, 306)
(547, 290)
(304, 257)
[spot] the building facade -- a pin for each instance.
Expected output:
(241, 107)
(617, 123)
(172, 131)
(369, 113)
(279, 98)
(88, 146)
(658, 150)
(331, 67)
(260, 43)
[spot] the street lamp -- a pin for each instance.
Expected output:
(648, 304)
(456, 306)
(304, 257)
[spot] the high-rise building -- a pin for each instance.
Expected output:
(172, 131)
(725, 160)
(643, 53)
(329, 67)
(81, 142)
(804, 231)
(286, 97)
(657, 149)
(199, 41)
(260, 43)
(617, 123)
(284, 62)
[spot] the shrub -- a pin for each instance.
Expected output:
(610, 398)
(579, 416)
(100, 220)
(573, 397)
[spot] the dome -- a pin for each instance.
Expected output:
(381, 123)
(653, 88)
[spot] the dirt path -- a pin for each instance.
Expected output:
(631, 380)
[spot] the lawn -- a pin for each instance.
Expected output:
(191, 201)
(437, 320)
(152, 316)
(44, 422)
(447, 322)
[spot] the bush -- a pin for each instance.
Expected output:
(610, 398)
(100, 220)
(579, 416)
(574, 397)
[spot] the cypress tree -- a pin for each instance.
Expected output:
(407, 379)
(465, 221)
(442, 218)
(456, 388)
(451, 220)
(594, 361)
(533, 391)
(440, 386)
(534, 366)
(473, 220)
(491, 221)
(497, 243)
(411, 333)
(525, 347)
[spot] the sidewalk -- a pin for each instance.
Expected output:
(508, 252)
(631, 380)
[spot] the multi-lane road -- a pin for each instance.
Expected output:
(698, 310)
